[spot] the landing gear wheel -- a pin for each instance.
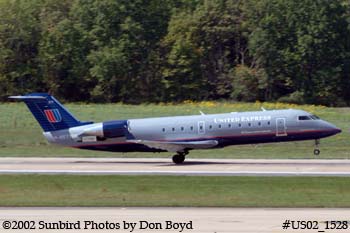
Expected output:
(179, 158)
(317, 152)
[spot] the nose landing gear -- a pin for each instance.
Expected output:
(316, 150)
(179, 157)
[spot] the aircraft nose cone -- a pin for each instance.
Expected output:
(333, 128)
(337, 130)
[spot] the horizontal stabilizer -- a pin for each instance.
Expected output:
(177, 146)
(23, 97)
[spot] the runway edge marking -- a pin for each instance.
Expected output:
(174, 173)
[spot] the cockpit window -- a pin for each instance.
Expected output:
(304, 118)
(307, 118)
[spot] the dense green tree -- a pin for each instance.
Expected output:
(123, 34)
(63, 50)
(301, 46)
(249, 83)
(19, 39)
(217, 36)
(172, 50)
(182, 75)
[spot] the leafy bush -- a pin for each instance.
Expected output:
(249, 84)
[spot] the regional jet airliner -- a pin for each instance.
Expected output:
(178, 134)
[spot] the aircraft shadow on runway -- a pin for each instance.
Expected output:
(191, 163)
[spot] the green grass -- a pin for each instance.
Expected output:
(47, 190)
(20, 135)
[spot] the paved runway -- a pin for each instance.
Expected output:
(192, 167)
(248, 220)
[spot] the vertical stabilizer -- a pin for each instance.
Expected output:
(50, 114)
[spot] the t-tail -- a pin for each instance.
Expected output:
(50, 114)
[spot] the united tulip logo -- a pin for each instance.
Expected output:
(53, 115)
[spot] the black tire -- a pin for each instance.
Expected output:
(317, 152)
(178, 159)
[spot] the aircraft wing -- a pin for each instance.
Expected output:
(177, 146)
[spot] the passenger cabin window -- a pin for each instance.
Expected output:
(173, 129)
(163, 129)
(182, 128)
(239, 125)
(219, 126)
(192, 128)
(249, 124)
(210, 126)
(229, 125)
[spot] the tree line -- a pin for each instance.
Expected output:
(136, 51)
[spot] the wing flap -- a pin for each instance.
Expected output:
(173, 146)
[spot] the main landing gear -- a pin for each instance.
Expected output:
(316, 150)
(179, 157)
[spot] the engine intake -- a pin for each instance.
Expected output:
(114, 129)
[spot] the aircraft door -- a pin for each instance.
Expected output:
(281, 129)
(201, 127)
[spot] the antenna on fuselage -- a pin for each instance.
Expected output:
(263, 109)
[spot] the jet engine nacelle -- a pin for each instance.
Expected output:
(108, 129)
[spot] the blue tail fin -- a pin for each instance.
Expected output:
(50, 114)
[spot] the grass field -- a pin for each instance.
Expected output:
(35, 190)
(20, 135)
